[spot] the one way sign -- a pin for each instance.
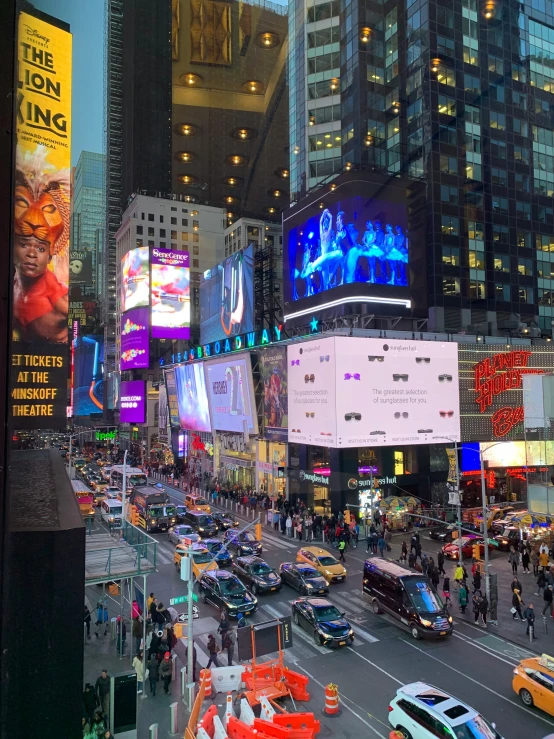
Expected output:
(185, 616)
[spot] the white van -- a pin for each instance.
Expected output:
(111, 512)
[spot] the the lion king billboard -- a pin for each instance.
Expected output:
(40, 245)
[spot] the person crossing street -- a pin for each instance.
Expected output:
(342, 547)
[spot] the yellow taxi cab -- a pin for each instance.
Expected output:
(202, 559)
(323, 562)
(533, 681)
(197, 501)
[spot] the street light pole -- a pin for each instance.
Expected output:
(124, 486)
(485, 528)
(459, 507)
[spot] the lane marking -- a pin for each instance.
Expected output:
(469, 640)
(298, 630)
(481, 685)
(361, 656)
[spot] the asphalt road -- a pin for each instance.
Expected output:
(474, 666)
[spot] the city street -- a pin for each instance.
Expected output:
(473, 665)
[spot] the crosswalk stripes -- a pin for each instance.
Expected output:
(296, 630)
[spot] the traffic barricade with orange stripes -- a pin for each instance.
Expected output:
(301, 725)
(207, 722)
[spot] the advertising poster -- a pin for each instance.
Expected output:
(170, 284)
(231, 394)
(42, 205)
(349, 392)
(192, 398)
(133, 402)
(80, 267)
(135, 279)
(88, 382)
(172, 398)
(273, 369)
(227, 298)
(163, 416)
(135, 339)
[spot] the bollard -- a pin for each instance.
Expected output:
(153, 731)
(173, 666)
(183, 681)
(113, 628)
(173, 719)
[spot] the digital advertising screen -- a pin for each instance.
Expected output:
(274, 375)
(169, 376)
(133, 402)
(349, 392)
(88, 381)
(135, 279)
(227, 298)
(135, 339)
(231, 394)
(192, 398)
(170, 286)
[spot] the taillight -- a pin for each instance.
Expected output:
(390, 709)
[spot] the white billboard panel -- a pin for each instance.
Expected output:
(231, 394)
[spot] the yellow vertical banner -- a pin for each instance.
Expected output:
(451, 453)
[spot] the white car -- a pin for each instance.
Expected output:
(421, 711)
(112, 492)
(176, 534)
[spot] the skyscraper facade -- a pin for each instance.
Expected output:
(459, 96)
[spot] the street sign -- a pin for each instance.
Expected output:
(182, 599)
(185, 617)
(186, 541)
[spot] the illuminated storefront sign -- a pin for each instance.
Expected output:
(105, 435)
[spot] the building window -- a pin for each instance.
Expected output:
(475, 231)
(142, 216)
(477, 290)
(500, 234)
(151, 243)
(496, 65)
(521, 154)
(472, 114)
(499, 177)
(162, 233)
(139, 230)
(526, 294)
(139, 242)
(472, 84)
(524, 239)
(446, 75)
(449, 225)
(501, 263)
(184, 221)
(502, 292)
(174, 234)
(195, 262)
(500, 205)
(196, 249)
(449, 194)
(448, 165)
(545, 215)
(447, 105)
(184, 236)
(448, 135)
(161, 219)
(498, 149)
(398, 462)
(451, 256)
(476, 259)
(546, 297)
(498, 120)
(544, 243)
(445, 46)
(521, 182)
(451, 285)
(151, 231)
(519, 73)
(174, 246)
(519, 100)
(195, 224)
(196, 237)
(525, 267)
(523, 210)
(173, 221)
(150, 216)
(520, 127)
(162, 244)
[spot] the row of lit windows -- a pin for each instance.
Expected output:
(477, 290)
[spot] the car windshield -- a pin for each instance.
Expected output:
(326, 613)
(181, 509)
(200, 501)
(138, 480)
(204, 520)
(231, 587)
(508, 533)
(184, 530)
(261, 569)
(156, 511)
(423, 598)
(327, 561)
(247, 537)
(202, 557)
(477, 728)
(115, 510)
(308, 572)
(169, 510)
(214, 546)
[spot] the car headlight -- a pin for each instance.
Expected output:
(425, 622)
(327, 572)
(351, 632)
(450, 619)
(112, 518)
(309, 586)
(153, 520)
(201, 530)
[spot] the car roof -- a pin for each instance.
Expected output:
(317, 551)
(319, 602)
(421, 692)
(223, 575)
(213, 540)
(252, 560)
(196, 547)
(198, 513)
(302, 565)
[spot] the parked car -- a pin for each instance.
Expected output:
(222, 555)
(303, 577)
(324, 562)
(224, 521)
(319, 617)
(176, 534)
(257, 574)
(242, 542)
(224, 590)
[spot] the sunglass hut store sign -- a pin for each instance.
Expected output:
(491, 388)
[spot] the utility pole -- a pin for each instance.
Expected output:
(190, 638)
(459, 506)
(485, 529)
(124, 486)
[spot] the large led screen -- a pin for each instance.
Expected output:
(273, 371)
(231, 394)
(133, 402)
(88, 389)
(172, 398)
(135, 340)
(227, 298)
(349, 392)
(135, 279)
(192, 398)
(170, 285)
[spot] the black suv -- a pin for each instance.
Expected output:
(321, 618)
(201, 522)
(242, 543)
(223, 520)
(225, 591)
(304, 578)
(257, 574)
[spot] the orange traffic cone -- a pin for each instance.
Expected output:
(331, 700)
(206, 676)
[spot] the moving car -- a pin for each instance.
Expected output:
(406, 596)
(320, 617)
(224, 590)
(257, 574)
(499, 524)
(197, 501)
(451, 550)
(533, 681)
(180, 513)
(112, 492)
(112, 512)
(224, 521)
(509, 537)
(222, 556)
(422, 711)
(176, 534)
(201, 522)
(202, 560)
(443, 533)
(242, 542)
(304, 578)
(324, 562)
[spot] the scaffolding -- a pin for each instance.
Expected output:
(268, 307)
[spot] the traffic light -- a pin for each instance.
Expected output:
(347, 517)
(476, 551)
(178, 630)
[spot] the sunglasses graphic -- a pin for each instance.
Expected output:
(397, 378)
(355, 376)
(419, 360)
(445, 378)
(445, 414)
(325, 433)
(324, 359)
(309, 378)
(377, 433)
(376, 358)
(425, 431)
(296, 431)
(294, 361)
(405, 414)
(352, 416)
(310, 414)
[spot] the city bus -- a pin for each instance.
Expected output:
(135, 477)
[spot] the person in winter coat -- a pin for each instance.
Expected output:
(483, 608)
(224, 625)
(139, 669)
(289, 526)
(153, 667)
(137, 633)
(513, 559)
(541, 582)
(544, 560)
(435, 577)
(101, 619)
(404, 552)
(477, 581)
(165, 672)
(440, 562)
(517, 602)
(547, 597)
(424, 563)
(516, 585)
(529, 615)
(90, 702)
(446, 590)
(381, 544)
(88, 619)
(535, 561)
(459, 575)
(462, 597)
(525, 561)
(136, 611)
(212, 649)
(102, 688)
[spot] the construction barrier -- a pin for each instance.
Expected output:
(267, 712)
(331, 701)
(207, 722)
(190, 731)
(237, 730)
(206, 675)
(396, 734)
(296, 683)
(202, 734)
(219, 729)
(229, 710)
(226, 679)
(271, 730)
(246, 712)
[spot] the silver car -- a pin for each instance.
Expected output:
(176, 534)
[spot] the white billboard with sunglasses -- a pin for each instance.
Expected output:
(386, 392)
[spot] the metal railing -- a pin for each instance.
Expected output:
(132, 553)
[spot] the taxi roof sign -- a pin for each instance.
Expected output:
(547, 661)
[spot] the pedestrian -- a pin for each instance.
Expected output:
(404, 552)
(477, 581)
(525, 562)
(149, 602)
(102, 688)
(418, 551)
(369, 541)
(98, 725)
(101, 619)
(139, 669)
(212, 649)
(289, 525)
(517, 602)
(137, 633)
(153, 673)
(459, 575)
(530, 618)
(541, 582)
(381, 544)
(165, 671)
(342, 547)
(544, 560)
(228, 645)
(388, 539)
(374, 541)
(516, 585)
(462, 596)
(356, 534)
(513, 559)
(547, 597)
(155, 642)
(411, 560)
(483, 608)
(152, 610)
(535, 562)
(414, 541)
(446, 590)
(299, 529)
(424, 563)
(90, 702)
(440, 562)
(435, 577)
(224, 625)
(88, 619)
(136, 611)
(476, 601)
